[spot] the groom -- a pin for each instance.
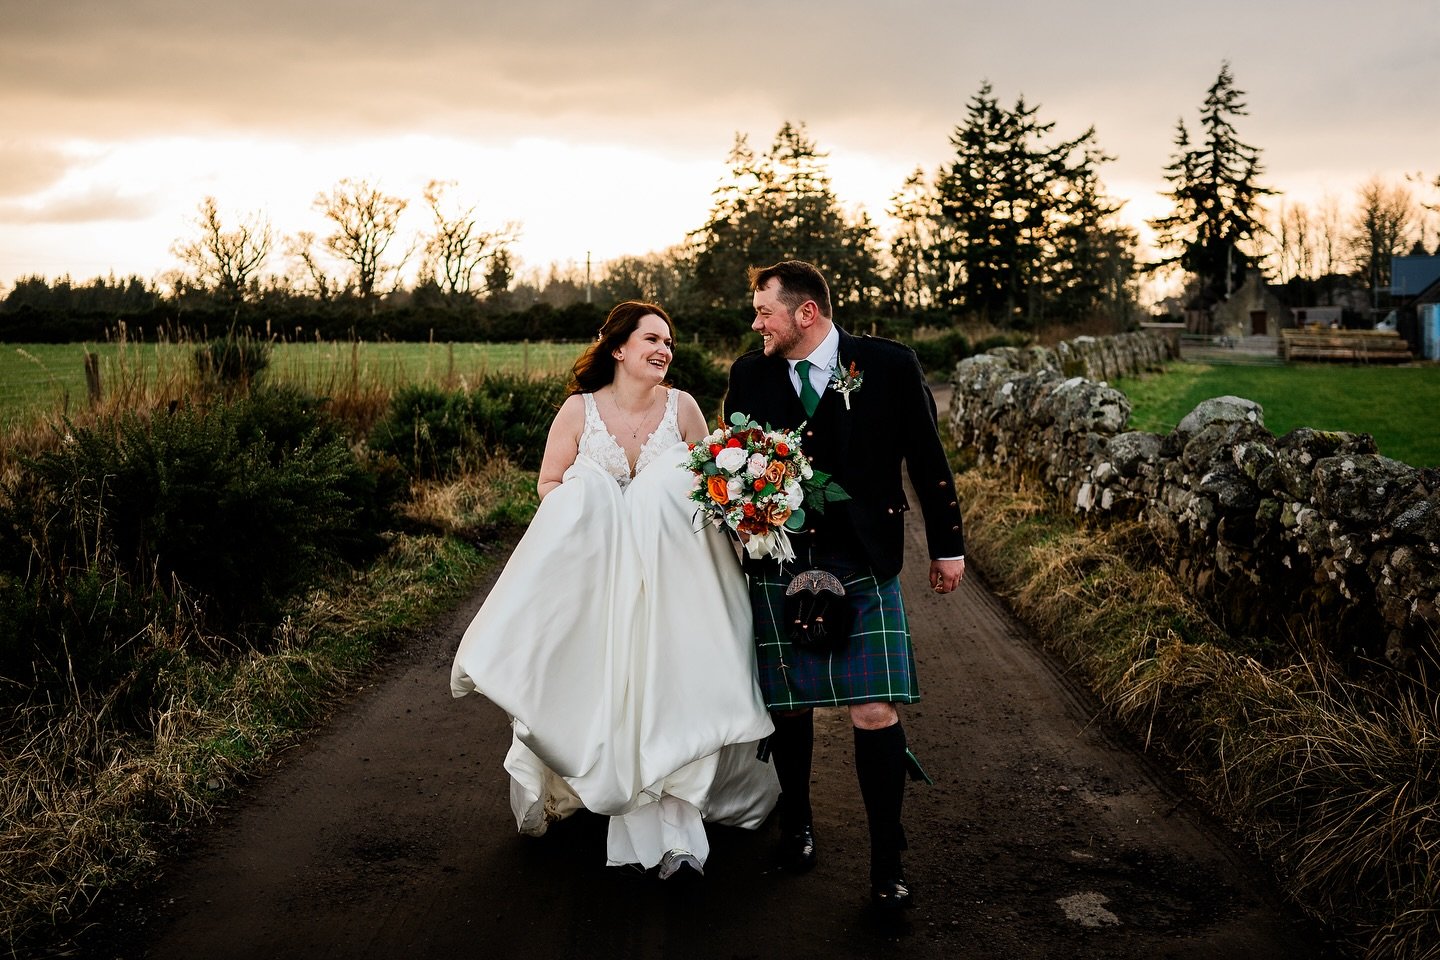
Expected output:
(866, 409)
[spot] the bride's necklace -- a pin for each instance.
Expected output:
(626, 421)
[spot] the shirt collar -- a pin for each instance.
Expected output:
(824, 355)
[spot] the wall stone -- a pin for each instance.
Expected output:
(1312, 535)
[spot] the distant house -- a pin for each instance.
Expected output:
(1414, 280)
(1254, 310)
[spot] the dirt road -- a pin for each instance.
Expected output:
(389, 835)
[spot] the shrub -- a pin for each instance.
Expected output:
(437, 433)
(938, 355)
(233, 363)
(245, 504)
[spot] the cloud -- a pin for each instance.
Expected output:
(97, 205)
(29, 168)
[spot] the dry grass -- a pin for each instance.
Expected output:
(90, 804)
(1336, 782)
(498, 494)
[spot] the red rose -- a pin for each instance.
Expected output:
(759, 483)
(732, 442)
(715, 448)
(782, 449)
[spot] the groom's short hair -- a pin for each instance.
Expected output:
(799, 281)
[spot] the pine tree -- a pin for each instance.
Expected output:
(781, 206)
(1018, 219)
(1214, 185)
(912, 274)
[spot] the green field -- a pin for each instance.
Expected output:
(1398, 406)
(37, 379)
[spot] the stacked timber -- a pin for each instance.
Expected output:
(1352, 346)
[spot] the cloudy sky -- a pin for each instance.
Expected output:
(603, 127)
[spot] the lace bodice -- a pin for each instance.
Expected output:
(600, 445)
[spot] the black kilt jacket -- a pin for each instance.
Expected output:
(891, 420)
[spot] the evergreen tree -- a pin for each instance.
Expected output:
(781, 206)
(912, 273)
(1019, 220)
(1217, 220)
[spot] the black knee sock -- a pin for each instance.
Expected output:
(880, 767)
(791, 748)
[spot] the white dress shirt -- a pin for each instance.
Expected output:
(823, 359)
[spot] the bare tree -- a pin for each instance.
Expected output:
(301, 248)
(456, 246)
(366, 222)
(1330, 227)
(1430, 219)
(1296, 236)
(1384, 225)
(225, 261)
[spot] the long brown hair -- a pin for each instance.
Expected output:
(596, 366)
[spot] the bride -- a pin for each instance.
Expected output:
(618, 637)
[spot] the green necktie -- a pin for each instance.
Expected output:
(808, 395)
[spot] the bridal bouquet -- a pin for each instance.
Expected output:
(754, 481)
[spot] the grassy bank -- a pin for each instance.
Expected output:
(1398, 406)
(1335, 783)
(96, 784)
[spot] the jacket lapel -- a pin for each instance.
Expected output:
(839, 420)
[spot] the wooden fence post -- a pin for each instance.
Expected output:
(92, 378)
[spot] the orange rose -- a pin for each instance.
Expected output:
(776, 515)
(775, 473)
(719, 489)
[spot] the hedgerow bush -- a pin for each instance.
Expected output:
(436, 433)
(232, 363)
(938, 355)
(215, 514)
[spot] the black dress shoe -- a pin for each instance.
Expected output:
(797, 850)
(891, 895)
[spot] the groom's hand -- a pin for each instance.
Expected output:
(945, 575)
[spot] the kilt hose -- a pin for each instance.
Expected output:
(877, 665)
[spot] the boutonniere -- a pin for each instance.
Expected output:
(846, 381)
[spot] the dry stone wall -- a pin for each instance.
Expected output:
(1312, 535)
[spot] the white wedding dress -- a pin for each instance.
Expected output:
(618, 639)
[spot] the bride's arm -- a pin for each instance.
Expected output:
(691, 420)
(562, 445)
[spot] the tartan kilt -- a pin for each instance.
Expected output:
(878, 664)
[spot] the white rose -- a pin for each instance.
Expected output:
(805, 472)
(730, 459)
(794, 496)
(756, 464)
(735, 488)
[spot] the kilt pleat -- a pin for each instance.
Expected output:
(878, 664)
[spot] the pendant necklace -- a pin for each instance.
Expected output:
(644, 414)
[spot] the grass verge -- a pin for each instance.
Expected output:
(1337, 784)
(1391, 404)
(89, 804)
